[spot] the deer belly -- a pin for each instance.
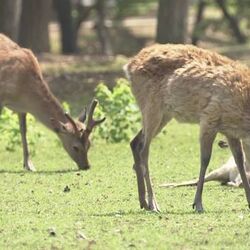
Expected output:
(187, 111)
(16, 108)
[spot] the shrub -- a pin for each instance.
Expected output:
(121, 112)
(10, 132)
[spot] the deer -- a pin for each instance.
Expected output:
(24, 90)
(191, 85)
(227, 174)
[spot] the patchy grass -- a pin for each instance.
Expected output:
(59, 207)
(55, 65)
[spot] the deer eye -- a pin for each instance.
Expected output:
(76, 148)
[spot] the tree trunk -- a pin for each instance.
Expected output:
(232, 21)
(102, 30)
(197, 25)
(34, 33)
(172, 21)
(68, 32)
(9, 17)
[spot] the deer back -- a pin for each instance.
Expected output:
(189, 82)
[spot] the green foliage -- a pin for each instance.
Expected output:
(66, 107)
(239, 8)
(131, 7)
(121, 112)
(9, 130)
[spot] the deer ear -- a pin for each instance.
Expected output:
(58, 126)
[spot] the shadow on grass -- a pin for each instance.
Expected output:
(141, 212)
(45, 172)
(164, 214)
(124, 213)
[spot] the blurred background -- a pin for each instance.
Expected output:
(82, 42)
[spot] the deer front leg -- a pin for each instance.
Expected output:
(136, 146)
(27, 164)
(236, 149)
(207, 137)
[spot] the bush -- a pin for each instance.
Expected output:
(134, 8)
(10, 132)
(121, 112)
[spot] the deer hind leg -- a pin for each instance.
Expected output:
(23, 129)
(136, 146)
(207, 136)
(235, 146)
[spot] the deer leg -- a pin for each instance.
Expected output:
(27, 164)
(152, 204)
(152, 127)
(235, 146)
(136, 145)
(207, 136)
(246, 150)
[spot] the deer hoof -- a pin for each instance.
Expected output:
(198, 208)
(144, 204)
(153, 206)
(29, 166)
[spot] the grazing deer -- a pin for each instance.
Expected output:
(192, 85)
(23, 89)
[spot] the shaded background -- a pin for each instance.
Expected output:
(82, 42)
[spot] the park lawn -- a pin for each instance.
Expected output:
(58, 207)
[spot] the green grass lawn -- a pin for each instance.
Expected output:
(59, 207)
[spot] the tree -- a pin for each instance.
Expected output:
(68, 31)
(232, 20)
(9, 17)
(172, 21)
(102, 30)
(70, 24)
(197, 25)
(33, 32)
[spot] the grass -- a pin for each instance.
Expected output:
(59, 207)
(81, 65)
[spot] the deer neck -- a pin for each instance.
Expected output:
(46, 107)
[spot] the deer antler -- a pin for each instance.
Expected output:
(91, 123)
(82, 117)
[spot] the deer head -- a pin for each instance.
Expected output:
(74, 135)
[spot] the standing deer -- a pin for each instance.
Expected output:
(23, 89)
(192, 85)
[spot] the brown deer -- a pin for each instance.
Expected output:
(23, 89)
(192, 85)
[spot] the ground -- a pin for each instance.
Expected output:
(59, 207)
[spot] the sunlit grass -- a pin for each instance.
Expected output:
(100, 210)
